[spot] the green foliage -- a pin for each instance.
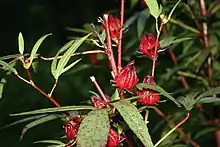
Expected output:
(94, 129)
(135, 121)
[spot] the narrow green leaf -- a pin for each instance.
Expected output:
(209, 92)
(205, 131)
(209, 100)
(159, 89)
(8, 67)
(36, 47)
(94, 130)
(54, 63)
(38, 122)
(130, 21)
(171, 40)
(141, 22)
(70, 66)
(187, 101)
(60, 109)
(202, 58)
(51, 142)
(67, 55)
(135, 121)
(155, 11)
(23, 120)
(2, 84)
(21, 43)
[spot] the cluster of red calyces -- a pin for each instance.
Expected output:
(72, 127)
(114, 26)
(148, 96)
(127, 78)
(148, 45)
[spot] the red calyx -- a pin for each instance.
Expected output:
(127, 78)
(114, 26)
(98, 102)
(72, 127)
(113, 138)
(147, 45)
(148, 96)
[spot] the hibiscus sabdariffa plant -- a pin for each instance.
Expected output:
(115, 119)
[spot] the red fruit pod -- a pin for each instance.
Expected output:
(113, 138)
(114, 26)
(98, 102)
(148, 96)
(127, 78)
(147, 45)
(71, 129)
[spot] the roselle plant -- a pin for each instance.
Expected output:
(122, 118)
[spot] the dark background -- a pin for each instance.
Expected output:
(34, 19)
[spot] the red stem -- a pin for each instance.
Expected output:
(109, 51)
(99, 89)
(120, 36)
(186, 138)
(155, 51)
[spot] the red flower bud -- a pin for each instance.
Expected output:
(127, 78)
(147, 45)
(113, 138)
(98, 102)
(114, 26)
(148, 96)
(72, 127)
(71, 130)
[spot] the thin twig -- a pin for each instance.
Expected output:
(172, 130)
(120, 36)
(75, 54)
(99, 89)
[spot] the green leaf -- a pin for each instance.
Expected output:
(209, 100)
(130, 21)
(67, 55)
(171, 40)
(21, 43)
(189, 100)
(202, 58)
(94, 130)
(23, 120)
(38, 122)
(2, 84)
(155, 11)
(115, 96)
(51, 142)
(54, 63)
(133, 3)
(158, 89)
(135, 121)
(60, 109)
(141, 22)
(210, 92)
(8, 67)
(70, 66)
(35, 49)
(205, 131)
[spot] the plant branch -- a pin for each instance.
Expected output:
(99, 89)
(155, 51)
(109, 50)
(120, 36)
(75, 54)
(186, 138)
(172, 130)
